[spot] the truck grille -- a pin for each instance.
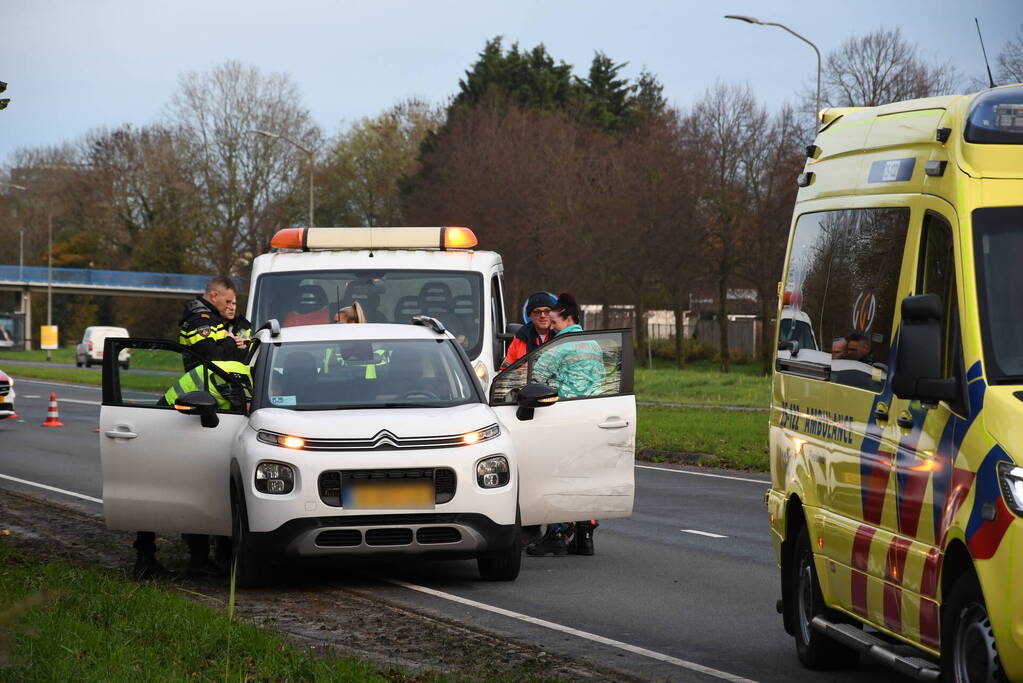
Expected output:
(444, 481)
(5, 387)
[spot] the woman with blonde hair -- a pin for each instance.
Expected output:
(351, 314)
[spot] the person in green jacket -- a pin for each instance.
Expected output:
(575, 369)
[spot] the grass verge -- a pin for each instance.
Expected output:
(702, 383)
(59, 622)
(84, 376)
(737, 439)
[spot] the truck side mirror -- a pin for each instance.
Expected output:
(509, 332)
(201, 403)
(918, 366)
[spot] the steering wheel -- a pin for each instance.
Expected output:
(421, 394)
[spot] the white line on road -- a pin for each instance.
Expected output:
(704, 474)
(32, 396)
(702, 533)
(53, 488)
(692, 666)
(58, 384)
(78, 400)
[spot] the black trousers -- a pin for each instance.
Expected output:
(198, 544)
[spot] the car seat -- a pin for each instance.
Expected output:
(435, 298)
(309, 307)
(367, 298)
(406, 307)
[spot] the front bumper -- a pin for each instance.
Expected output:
(450, 535)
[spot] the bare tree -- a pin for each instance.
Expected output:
(365, 165)
(1010, 60)
(879, 68)
(245, 182)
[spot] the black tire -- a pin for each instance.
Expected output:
(250, 570)
(503, 565)
(78, 363)
(968, 653)
(88, 362)
(815, 650)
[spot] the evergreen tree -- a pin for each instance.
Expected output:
(607, 97)
(529, 78)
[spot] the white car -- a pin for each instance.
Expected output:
(369, 439)
(90, 349)
(6, 395)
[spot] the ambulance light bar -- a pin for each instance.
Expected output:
(309, 239)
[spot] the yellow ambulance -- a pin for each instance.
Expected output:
(897, 425)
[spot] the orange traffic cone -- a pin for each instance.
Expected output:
(52, 418)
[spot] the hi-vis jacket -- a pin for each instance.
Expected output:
(575, 368)
(205, 332)
(199, 378)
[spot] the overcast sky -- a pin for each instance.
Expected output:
(74, 65)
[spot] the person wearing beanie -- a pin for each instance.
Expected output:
(536, 332)
(574, 368)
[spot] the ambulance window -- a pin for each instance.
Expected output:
(497, 318)
(842, 282)
(936, 275)
(998, 248)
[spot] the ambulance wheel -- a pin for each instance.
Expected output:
(249, 570)
(88, 362)
(815, 650)
(503, 565)
(971, 655)
(78, 363)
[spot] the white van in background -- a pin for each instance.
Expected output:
(90, 349)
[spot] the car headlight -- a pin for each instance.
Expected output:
(480, 435)
(480, 368)
(493, 473)
(1010, 478)
(284, 440)
(274, 477)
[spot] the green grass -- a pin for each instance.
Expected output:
(702, 383)
(84, 376)
(59, 622)
(142, 360)
(738, 439)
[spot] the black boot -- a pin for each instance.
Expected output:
(199, 564)
(553, 543)
(148, 567)
(582, 541)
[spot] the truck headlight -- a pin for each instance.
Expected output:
(274, 477)
(493, 473)
(1010, 478)
(480, 368)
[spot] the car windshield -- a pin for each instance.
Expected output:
(314, 297)
(998, 244)
(332, 375)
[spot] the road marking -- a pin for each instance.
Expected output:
(53, 488)
(58, 384)
(78, 400)
(704, 474)
(692, 666)
(702, 533)
(32, 396)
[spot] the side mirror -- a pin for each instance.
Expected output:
(201, 403)
(791, 345)
(534, 396)
(509, 331)
(918, 366)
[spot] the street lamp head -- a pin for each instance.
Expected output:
(742, 17)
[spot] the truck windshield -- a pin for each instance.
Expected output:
(389, 373)
(998, 244)
(314, 297)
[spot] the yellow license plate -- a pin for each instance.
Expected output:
(388, 495)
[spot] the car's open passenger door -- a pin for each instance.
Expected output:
(162, 470)
(576, 457)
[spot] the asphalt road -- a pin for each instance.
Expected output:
(657, 599)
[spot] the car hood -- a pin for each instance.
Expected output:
(366, 423)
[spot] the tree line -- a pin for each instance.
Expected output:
(590, 183)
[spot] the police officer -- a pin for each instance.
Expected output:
(204, 329)
(204, 324)
(236, 324)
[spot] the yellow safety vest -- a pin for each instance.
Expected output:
(199, 378)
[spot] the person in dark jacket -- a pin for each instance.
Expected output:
(238, 326)
(534, 333)
(203, 325)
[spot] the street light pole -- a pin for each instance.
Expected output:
(49, 273)
(754, 20)
(312, 165)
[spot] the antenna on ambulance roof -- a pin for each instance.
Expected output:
(990, 78)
